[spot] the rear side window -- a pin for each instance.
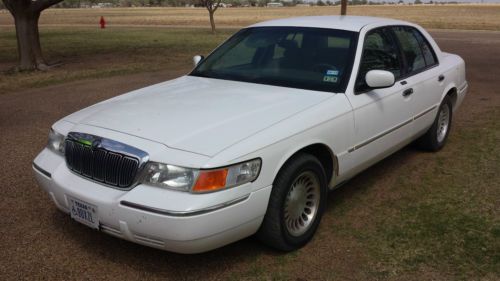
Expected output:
(429, 55)
(410, 46)
(380, 52)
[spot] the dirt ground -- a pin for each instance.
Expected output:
(39, 242)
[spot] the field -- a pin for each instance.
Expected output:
(414, 216)
(137, 37)
(90, 53)
(482, 17)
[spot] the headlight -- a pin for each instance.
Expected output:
(199, 181)
(56, 142)
(169, 176)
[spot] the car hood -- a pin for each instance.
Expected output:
(199, 115)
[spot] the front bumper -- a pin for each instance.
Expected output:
(169, 220)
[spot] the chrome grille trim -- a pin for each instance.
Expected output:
(103, 160)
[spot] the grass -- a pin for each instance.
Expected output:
(92, 53)
(446, 217)
(87, 52)
(435, 217)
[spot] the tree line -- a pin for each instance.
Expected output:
(178, 3)
(232, 3)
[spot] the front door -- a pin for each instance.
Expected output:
(382, 116)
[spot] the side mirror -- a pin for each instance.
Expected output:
(379, 79)
(197, 59)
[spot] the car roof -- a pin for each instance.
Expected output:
(351, 23)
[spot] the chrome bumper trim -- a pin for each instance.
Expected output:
(45, 173)
(183, 213)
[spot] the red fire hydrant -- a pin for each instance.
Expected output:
(102, 22)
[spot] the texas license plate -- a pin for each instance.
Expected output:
(84, 212)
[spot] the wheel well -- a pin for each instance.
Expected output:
(452, 93)
(325, 155)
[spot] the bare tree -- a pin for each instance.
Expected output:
(26, 14)
(343, 7)
(212, 6)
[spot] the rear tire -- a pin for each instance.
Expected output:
(296, 204)
(435, 138)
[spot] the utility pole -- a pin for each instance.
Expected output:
(343, 7)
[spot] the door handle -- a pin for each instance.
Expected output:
(441, 78)
(407, 92)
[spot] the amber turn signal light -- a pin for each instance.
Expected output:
(211, 180)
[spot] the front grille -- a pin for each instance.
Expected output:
(100, 164)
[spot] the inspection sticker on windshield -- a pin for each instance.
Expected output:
(332, 72)
(331, 79)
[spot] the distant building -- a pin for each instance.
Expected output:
(222, 5)
(274, 4)
(103, 5)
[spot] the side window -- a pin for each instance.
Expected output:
(411, 49)
(380, 52)
(429, 55)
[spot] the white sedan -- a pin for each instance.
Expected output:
(253, 138)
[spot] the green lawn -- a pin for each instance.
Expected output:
(446, 217)
(91, 53)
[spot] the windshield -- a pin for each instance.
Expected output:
(306, 58)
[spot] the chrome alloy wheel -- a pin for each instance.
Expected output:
(443, 123)
(301, 203)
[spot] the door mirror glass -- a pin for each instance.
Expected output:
(197, 59)
(379, 79)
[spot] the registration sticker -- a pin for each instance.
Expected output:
(332, 72)
(84, 212)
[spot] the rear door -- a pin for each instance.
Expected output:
(422, 73)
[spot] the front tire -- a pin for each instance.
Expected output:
(296, 204)
(435, 138)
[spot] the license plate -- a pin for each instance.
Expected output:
(84, 212)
